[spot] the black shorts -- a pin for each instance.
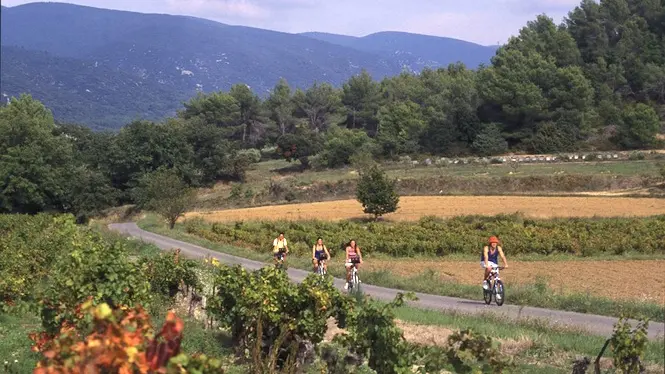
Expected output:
(280, 254)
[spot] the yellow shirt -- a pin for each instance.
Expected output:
(278, 244)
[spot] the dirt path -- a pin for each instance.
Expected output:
(414, 207)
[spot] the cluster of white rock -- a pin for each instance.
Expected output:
(571, 157)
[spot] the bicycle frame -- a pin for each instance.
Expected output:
(321, 270)
(494, 275)
(354, 278)
(280, 258)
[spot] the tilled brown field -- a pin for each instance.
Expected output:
(415, 207)
(620, 280)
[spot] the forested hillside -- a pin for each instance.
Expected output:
(595, 83)
(83, 92)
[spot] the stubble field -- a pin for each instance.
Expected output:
(618, 279)
(414, 207)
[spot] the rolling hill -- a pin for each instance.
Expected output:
(414, 51)
(155, 61)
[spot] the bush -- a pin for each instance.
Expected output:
(264, 309)
(96, 269)
(119, 342)
(464, 235)
(340, 146)
(252, 155)
(628, 345)
(168, 271)
(28, 247)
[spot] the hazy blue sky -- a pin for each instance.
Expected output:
(480, 21)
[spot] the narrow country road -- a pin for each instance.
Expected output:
(600, 325)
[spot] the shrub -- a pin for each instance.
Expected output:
(628, 345)
(93, 268)
(28, 247)
(373, 334)
(168, 271)
(263, 307)
(252, 155)
(340, 145)
(119, 342)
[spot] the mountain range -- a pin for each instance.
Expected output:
(104, 68)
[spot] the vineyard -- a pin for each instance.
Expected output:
(431, 236)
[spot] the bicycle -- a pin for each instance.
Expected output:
(354, 283)
(280, 260)
(321, 270)
(496, 287)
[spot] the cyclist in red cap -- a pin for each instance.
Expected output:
(490, 258)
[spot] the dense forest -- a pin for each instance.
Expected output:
(595, 82)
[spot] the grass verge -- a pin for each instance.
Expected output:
(537, 295)
(546, 337)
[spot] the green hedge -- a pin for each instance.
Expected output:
(461, 235)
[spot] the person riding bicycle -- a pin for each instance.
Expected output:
(490, 258)
(320, 253)
(353, 258)
(280, 247)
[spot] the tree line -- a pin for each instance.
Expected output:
(597, 81)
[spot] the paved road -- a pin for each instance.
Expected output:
(600, 325)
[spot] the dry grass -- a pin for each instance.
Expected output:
(616, 280)
(414, 207)
(414, 333)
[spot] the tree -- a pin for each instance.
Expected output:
(640, 126)
(489, 141)
(300, 146)
(361, 96)
(36, 165)
(281, 106)
(376, 192)
(341, 144)
(251, 119)
(319, 105)
(400, 127)
(166, 193)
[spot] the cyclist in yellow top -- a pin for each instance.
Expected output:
(280, 247)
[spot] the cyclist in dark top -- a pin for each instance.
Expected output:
(490, 258)
(320, 253)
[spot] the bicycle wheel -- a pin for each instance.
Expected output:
(500, 293)
(487, 295)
